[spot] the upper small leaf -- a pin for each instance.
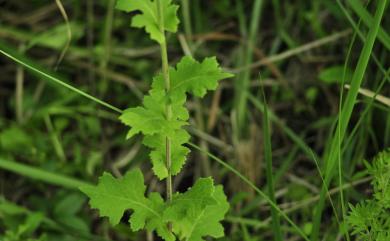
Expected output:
(114, 196)
(151, 119)
(149, 17)
(178, 152)
(191, 76)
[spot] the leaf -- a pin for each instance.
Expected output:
(69, 205)
(158, 155)
(198, 212)
(32, 222)
(335, 74)
(55, 37)
(9, 208)
(191, 76)
(15, 139)
(370, 219)
(114, 196)
(151, 119)
(209, 223)
(148, 18)
(381, 173)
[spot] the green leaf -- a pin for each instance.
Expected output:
(191, 76)
(335, 74)
(55, 37)
(158, 155)
(114, 196)
(148, 18)
(370, 219)
(151, 119)
(381, 173)
(69, 205)
(15, 139)
(32, 222)
(198, 212)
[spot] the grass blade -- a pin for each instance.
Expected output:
(269, 173)
(45, 176)
(367, 19)
(13, 55)
(289, 132)
(345, 114)
(242, 81)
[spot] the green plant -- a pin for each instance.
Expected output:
(187, 216)
(370, 219)
(334, 153)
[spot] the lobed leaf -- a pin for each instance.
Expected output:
(114, 196)
(370, 219)
(158, 155)
(149, 17)
(151, 119)
(198, 212)
(381, 174)
(191, 76)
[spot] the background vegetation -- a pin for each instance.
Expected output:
(324, 66)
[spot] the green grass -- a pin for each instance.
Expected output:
(42, 175)
(344, 116)
(5, 50)
(278, 235)
(311, 138)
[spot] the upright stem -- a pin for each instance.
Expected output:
(168, 110)
(19, 90)
(19, 93)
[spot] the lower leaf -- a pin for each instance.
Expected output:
(112, 197)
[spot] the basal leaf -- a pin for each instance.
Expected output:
(148, 18)
(198, 212)
(114, 196)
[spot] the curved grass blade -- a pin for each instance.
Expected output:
(13, 55)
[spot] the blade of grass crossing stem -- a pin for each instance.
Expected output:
(257, 190)
(367, 19)
(345, 115)
(45, 176)
(269, 173)
(37, 70)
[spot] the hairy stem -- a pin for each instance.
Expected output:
(165, 70)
